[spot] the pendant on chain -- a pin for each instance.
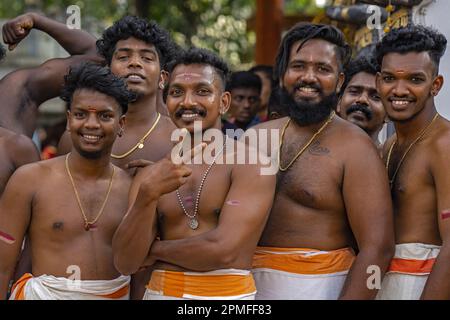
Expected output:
(193, 223)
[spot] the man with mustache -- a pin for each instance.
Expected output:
(322, 208)
(418, 163)
(211, 214)
(71, 229)
(360, 102)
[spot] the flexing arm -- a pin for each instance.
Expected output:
(369, 211)
(242, 219)
(25, 89)
(438, 283)
(23, 151)
(15, 216)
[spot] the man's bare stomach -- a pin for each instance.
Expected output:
(296, 226)
(75, 261)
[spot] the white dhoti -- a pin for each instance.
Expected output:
(47, 287)
(300, 274)
(225, 284)
(408, 271)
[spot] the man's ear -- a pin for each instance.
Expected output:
(438, 82)
(225, 102)
(122, 122)
(67, 120)
(163, 79)
(377, 80)
(338, 107)
(341, 80)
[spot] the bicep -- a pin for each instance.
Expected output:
(25, 151)
(367, 197)
(441, 174)
(247, 205)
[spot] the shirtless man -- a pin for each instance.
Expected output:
(360, 102)
(210, 249)
(71, 230)
(137, 51)
(15, 150)
(331, 195)
(22, 91)
(418, 164)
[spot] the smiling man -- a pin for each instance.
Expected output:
(418, 162)
(138, 51)
(209, 215)
(71, 231)
(324, 204)
(360, 102)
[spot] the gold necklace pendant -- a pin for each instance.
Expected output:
(300, 152)
(388, 160)
(140, 144)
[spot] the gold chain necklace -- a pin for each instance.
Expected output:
(305, 146)
(193, 221)
(89, 224)
(391, 181)
(140, 143)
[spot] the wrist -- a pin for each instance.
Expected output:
(37, 20)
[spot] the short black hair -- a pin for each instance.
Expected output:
(195, 55)
(362, 64)
(413, 38)
(244, 79)
(94, 77)
(134, 27)
(307, 31)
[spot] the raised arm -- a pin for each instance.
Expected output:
(15, 216)
(241, 222)
(369, 211)
(438, 283)
(31, 87)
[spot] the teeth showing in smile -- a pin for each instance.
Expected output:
(308, 89)
(134, 77)
(91, 138)
(400, 102)
(189, 115)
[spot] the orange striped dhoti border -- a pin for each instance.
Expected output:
(224, 284)
(52, 288)
(300, 273)
(408, 271)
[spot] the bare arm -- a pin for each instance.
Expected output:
(369, 210)
(438, 283)
(239, 228)
(44, 82)
(15, 216)
(23, 151)
(136, 232)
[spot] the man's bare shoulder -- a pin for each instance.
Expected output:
(124, 178)
(167, 123)
(17, 144)
(272, 124)
(439, 139)
(350, 134)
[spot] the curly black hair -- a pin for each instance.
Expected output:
(199, 56)
(88, 75)
(307, 31)
(244, 79)
(148, 31)
(413, 38)
(366, 64)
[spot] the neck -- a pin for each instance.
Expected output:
(89, 168)
(142, 111)
(241, 125)
(407, 130)
(309, 127)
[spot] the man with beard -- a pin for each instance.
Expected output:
(360, 102)
(418, 163)
(210, 215)
(331, 196)
(71, 230)
(22, 91)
